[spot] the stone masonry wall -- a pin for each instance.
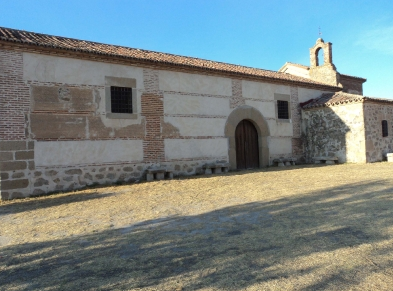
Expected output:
(16, 161)
(58, 179)
(326, 72)
(335, 131)
(16, 153)
(376, 145)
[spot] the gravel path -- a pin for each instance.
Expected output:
(299, 228)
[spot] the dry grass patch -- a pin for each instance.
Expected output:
(299, 228)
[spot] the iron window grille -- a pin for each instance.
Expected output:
(121, 99)
(282, 109)
(385, 128)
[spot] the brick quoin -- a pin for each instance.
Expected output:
(237, 98)
(296, 112)
(297, 142)
(14, 96)
(153, 111)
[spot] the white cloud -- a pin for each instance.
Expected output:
(378, 39)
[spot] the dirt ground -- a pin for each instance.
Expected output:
(298, 228)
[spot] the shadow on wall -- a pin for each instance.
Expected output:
(229, 248)
(334, 132)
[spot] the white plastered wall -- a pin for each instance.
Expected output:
(193, 83)
(193, 126)
(196, 148)
(262, 95)
(198, 107)
(297, 71)
(43, 68)
(263, 91)
(54, 69)
(195, 104)
(280, 146)
(305, 94)
(66, 153)
(266, 108)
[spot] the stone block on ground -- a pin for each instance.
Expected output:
(326, 160)
(158, 173)
(160, 176)
(217, 170)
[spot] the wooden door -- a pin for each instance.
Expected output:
(247, 153)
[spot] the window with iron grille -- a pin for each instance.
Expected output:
(121, 99)
(384, 128)
(282, 109)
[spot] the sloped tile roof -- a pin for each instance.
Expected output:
(308, 68)
(82, 46)
(340, 98)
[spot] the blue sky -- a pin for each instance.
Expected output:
(262, 34)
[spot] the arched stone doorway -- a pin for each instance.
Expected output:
(247, 153)
(255, 117)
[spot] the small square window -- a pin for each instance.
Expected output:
(282, 109)
(385, 128)
(121, 100)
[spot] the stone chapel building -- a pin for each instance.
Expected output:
(76, 113)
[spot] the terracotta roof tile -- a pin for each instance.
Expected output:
(340, 98)
(57, 42)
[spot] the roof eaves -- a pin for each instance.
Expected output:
(203, 66)
(336, 99)
(378, 100)
(353, 77)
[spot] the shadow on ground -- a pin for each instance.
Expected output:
(28, 204)
(229, 248)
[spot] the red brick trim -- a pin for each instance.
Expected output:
(237, 94)
(15, 96)
(153, 110)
